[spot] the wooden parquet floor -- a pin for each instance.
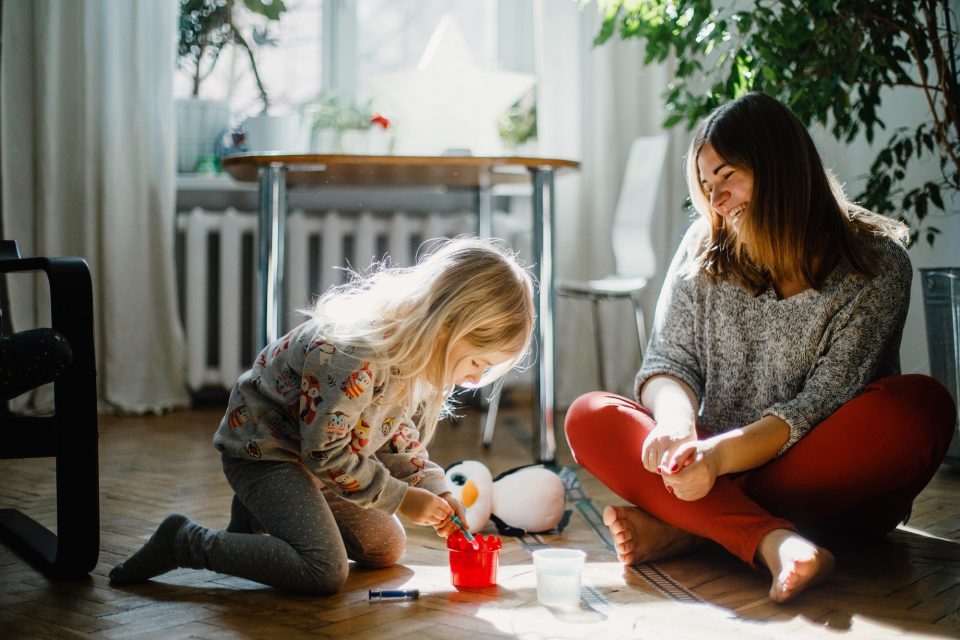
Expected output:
(907, 586)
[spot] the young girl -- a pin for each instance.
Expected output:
(324, 438)
(770, 416)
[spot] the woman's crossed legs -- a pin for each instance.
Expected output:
(855, 473)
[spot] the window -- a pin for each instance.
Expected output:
(379, 36)
(392, 34)
(341, 44)
(291, 71)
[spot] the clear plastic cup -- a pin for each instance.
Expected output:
(558, 576)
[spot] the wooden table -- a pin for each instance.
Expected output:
(275, 172)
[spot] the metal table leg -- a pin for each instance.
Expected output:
(485, 230)
(545, 444)
(272, 230)
(485, 206)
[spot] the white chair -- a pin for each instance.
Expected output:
(632, 250)
(632, 247)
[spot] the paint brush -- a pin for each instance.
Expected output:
(466, 534)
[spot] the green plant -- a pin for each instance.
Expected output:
(831, 61)
(207, 26)
(331, 111)
(518, 123)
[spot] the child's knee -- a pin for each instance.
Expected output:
(381, 558)
(382, 549)
(323, 576)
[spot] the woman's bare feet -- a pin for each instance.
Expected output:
(640, 537)
(795, 563)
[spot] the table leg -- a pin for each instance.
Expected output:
(272, 236)
(543, 217)
(485, 230)
(485, 206)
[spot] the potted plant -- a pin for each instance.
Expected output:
(340, 126)
(831, 61)
(206, 28)
(518, 125)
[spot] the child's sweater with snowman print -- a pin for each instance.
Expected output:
(308, 401)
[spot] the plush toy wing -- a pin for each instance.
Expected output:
(471, 483)
(530, 498)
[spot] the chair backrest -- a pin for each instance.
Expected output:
(632, 246)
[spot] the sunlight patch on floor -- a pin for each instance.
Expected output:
(921, 532)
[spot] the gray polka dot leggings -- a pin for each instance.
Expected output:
(289, 531)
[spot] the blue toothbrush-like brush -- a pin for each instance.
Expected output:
(466, 534)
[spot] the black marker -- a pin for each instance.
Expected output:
(394, 594)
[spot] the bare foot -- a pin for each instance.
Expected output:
(795, 563)
(640, 537)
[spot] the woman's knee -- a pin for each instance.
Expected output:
(597, 418)
(582, 415)
(920, 404)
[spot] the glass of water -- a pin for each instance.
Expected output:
(558, 576)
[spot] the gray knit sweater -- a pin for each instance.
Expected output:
(799, 358)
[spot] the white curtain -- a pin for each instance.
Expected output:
(87, 155)
(592, 103)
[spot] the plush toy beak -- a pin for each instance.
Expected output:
(469, 494)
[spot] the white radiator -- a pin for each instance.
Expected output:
(216, 258)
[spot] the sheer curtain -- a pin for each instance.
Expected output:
(87, 163)
(592, 103)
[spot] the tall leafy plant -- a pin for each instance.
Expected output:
(832, 62)
(208, 26)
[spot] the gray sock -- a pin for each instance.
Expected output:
(157, 556)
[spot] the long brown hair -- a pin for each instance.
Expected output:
(800, 224)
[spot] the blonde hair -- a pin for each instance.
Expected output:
(407, 319)
(800, 224)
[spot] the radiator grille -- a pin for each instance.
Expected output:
(216, 259)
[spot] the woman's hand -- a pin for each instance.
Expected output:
(692, 470)
(661, 446)
(673, 405)
(445, 529)
(419, 506)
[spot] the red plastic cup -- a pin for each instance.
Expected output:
(474, 564)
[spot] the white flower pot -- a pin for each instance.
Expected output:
(379, 141)
(285, 134)
(354, 141)
(326, 141)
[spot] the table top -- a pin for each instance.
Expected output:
(386, 171)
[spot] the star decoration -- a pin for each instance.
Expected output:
(448, 101)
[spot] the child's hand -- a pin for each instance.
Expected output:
(447, 528)
(420, 506)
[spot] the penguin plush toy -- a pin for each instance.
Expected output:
(528, 499)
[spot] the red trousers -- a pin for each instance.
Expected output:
(855, 474)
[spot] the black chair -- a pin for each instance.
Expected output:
(70, 435)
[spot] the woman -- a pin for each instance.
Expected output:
(771, 416)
